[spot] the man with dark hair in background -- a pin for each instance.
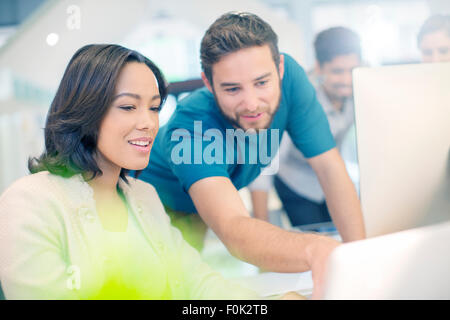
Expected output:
(338, 52)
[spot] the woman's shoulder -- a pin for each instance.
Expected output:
(34, 197)
(42, 179)
(42, 186)
(37, 181)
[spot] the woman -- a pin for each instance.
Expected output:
(77, 227)
(434, 39)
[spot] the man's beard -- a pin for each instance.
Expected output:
(235, 122)
(332, 96)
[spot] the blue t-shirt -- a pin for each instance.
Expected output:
(199, 142)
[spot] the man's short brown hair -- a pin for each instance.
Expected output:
(234, 31)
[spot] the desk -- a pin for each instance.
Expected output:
(271, 283)
(268, 283)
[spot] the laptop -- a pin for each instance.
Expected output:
(402, 116)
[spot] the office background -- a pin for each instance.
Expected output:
(38, 37)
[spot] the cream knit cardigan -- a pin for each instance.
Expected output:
(48, 251)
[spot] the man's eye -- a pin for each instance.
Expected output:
(337, 71)
(261, 83)
(232, 90)
(127, 108)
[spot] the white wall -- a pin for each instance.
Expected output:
(106, 21)
(439, 6)
(30, 69)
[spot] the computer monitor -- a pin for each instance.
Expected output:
(410, 264)
(402, 116)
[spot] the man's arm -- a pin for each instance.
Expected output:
(260, 204)
(342, 199)
(259, 192)
(256, 241)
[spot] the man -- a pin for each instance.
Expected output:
(338, 52)
(251, 87)
(434, 39)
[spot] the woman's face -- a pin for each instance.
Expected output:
(435, 47)
(129, 127)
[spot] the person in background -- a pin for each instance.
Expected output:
(338, 52)
(433, 39)
(253, 93)
(78, 227)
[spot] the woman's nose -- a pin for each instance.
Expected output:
(147, 120)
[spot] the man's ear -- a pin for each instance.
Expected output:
(281, 66)
(206, 82)
(317, 68)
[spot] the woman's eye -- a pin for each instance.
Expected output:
(155, 109)
(127, 108)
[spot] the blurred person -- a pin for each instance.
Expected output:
(338, 52)
(434, 39)
(78, 227)
(254, 90)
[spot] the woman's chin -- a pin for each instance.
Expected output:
(137, 166)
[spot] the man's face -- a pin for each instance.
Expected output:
(337, 75)
(246, 85)
(435, 47)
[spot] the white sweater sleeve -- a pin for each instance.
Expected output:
(32, 264)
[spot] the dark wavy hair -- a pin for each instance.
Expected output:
(83, 97)
(334, 42)
(432, 24)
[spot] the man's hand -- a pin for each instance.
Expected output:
(317, 255)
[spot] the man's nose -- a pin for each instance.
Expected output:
(435, 57)
(251, 100)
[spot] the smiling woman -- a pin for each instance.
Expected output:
(78, 227)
